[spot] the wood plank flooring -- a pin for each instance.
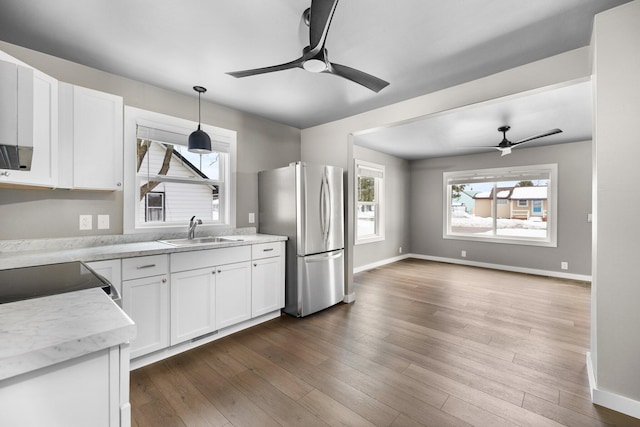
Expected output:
(425, 344)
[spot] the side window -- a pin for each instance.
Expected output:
(369, 202)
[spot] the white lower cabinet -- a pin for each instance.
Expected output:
(206, 297)
(267, 278)
(145, 298)
(92, 390)
(202, 292)
(233, 294)
(267, 290)
(193, 294)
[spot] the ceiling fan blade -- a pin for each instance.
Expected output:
(357, 76)
(540, 135)
(286, 66)
(319, 22)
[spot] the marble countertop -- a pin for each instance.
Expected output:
(40, 332)
(26, 258)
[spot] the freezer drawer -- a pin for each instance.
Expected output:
(320, 283)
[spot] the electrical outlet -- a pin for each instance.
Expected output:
(86, 222)
(589, 217)
(252, 217)
(400, 250)
(103, 222)
(564, 265)
(463, 254)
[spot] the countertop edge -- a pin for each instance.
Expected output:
(109, 327)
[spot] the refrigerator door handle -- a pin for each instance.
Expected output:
(316, 258)
(325, 208)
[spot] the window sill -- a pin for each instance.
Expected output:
(503, 240)
(365, 240)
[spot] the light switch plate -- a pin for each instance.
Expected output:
(86, 222)
(252, 217)
(103, 222)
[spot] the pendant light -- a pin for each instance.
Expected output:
(199, 141)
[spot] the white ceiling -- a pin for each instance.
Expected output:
(460, 131)
(419, 46)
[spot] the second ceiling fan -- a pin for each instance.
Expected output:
(505, 145)
(314, 57)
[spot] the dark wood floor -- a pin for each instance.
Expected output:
(424, 344)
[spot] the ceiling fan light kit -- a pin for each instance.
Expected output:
(199, 141)
(314, 57)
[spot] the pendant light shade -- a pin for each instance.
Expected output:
(199, 141)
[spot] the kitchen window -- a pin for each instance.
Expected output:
(369, 202)
(516, 205)
(165, 184)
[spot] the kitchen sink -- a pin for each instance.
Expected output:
(200, 241)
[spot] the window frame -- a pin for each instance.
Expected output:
(512, 173)
(378, 202)
(181, 127)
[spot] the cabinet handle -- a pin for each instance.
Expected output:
(213, 272)
(164, 280)
(219, 271)
(255, 264)
(5, 173)
(140, 267)
(118, 184)
(267, 250)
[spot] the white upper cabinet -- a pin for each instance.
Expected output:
(91, 139)
(28, 125)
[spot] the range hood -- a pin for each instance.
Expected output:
(16, 116)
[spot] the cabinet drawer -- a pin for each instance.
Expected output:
(192, 260)
(145, 266)
(266, 250)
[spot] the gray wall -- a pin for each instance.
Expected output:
(262, 144)
(332, 143)
(615, 346)
(574, 203)
(397, 185)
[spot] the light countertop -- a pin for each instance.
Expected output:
(40, 332)
(26, 258)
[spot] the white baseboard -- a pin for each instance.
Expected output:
(380, 263)
(608, 399)
(538, 272)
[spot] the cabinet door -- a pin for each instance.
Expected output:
(233, 294)
(192, 304)
(146, 301)
(267, 286)
(40, 92)
(97, 140)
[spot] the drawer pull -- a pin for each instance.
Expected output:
(140, 267)
(219, 271)
(213, 272)
(255, 264)
(267, 250)
(164, 280)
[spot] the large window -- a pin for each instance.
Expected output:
(507, 205)
(369, 202)
(165, 184)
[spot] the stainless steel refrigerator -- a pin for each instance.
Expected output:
(305, 202)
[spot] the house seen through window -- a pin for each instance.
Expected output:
(510, 205)
(175, 184)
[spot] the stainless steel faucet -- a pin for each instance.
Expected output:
(193, 222)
